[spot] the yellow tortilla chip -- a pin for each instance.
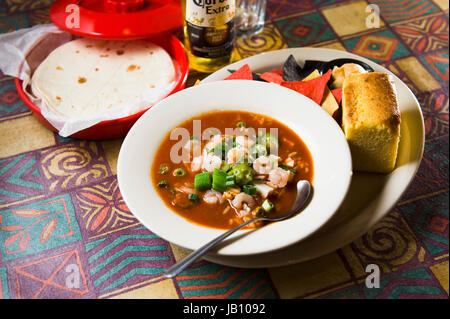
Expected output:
(329, 103)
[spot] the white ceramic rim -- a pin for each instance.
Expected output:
(326, 142)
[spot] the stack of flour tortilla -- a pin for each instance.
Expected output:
(88, 78)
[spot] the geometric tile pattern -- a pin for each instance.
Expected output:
(73, 164)
(439, 270)
(268, 39)
(2, 8)
(126, 257)
(39, 16)
(350, 293)
(389, 244)
(352, 17)
(36, 227)
(4, 290)
(418, 73)
(435, 112)
(305, 29)
(416, 283)
(65, 231)
(206, 280)
(397, 10)
(102, 209)
(378, 46)
(10, 103)
(437, 63)
(425, 34)
(60, 276)
(432, 176)
(14, 6)
(20, 178)
(429, 221)
(443, 4)
(394, 68)
(305, 280)
(14, 22)
(279, 8)
(23, 133)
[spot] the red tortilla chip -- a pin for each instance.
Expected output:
(243, 73)
(337, 93)
(277, 71)
(314, 89)
(272, 77)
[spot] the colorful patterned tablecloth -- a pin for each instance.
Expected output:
(65, 231)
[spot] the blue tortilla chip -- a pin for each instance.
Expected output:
(291, 70)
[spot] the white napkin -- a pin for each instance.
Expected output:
(22, 51)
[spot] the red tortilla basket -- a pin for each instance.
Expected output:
(118, 128)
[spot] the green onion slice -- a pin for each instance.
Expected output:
(193, 197)
(287, 168)
(163, 169)
(179, 172)
(219, 180)
(163, 184)
(202, 181)
(231, 181)
(249, 189)
(267, 205)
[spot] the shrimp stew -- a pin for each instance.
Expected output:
(222, 168)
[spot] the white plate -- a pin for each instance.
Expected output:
(321, 134)
(370, 197)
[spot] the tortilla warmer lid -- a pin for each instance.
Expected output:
(117, 19)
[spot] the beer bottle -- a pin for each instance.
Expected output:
(209, 33)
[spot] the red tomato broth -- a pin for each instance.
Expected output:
(217, 215)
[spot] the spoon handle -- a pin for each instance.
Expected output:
(189, 259)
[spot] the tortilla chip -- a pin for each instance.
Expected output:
(328, 103)
(257, 77)
(314, 89)
(312, 75)
(272, 77)
(243, 73)
(337, 93)
(277, 71)
(291, 70)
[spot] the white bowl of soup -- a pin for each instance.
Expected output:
(215, 155)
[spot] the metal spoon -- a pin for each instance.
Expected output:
(303, 192)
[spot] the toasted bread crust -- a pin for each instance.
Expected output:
(371, 120)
